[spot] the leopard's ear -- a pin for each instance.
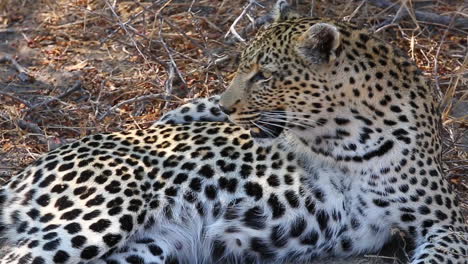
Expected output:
(283, 11)
(320, 44)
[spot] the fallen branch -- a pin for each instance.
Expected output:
(136, 99)
(35, 129)
(168, 83)
(30, 126)
(124, 27)
(42, 137)
(421, 15)
(171, 58)
(15, 98)
(74, 88)
(232, 28)
(258, 22)
(435, 71)
(175, 28)
(23, 75)
(18, 30)
(131, 19)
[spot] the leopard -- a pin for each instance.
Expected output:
(199, 109)
(332, 141)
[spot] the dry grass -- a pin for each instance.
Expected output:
(110, 65)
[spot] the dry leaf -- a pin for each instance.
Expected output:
(78, 66)
(7, 147)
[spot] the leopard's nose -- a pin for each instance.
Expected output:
(226, 110)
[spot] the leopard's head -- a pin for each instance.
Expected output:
(333, 88)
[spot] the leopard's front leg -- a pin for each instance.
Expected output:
(445, 244)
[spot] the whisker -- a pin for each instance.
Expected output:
(285, 120)
(293, 117)
(282, 115)
(288, 122)
(266, 130)
(288, 112)
(292, 122)
(277, 125)
(272, 124)
(299, 124)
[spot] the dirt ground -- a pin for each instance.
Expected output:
(74, 68)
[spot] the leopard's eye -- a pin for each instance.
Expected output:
(261, 77)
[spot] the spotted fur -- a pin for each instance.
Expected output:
(200, 109)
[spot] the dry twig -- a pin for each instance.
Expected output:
(171, 58)
(232, 28)
(23, 75)
(74, 88)
(124, 27)
(422, 16)
(30, 126)
(15, 98)
(133, 100)
(436, 60)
